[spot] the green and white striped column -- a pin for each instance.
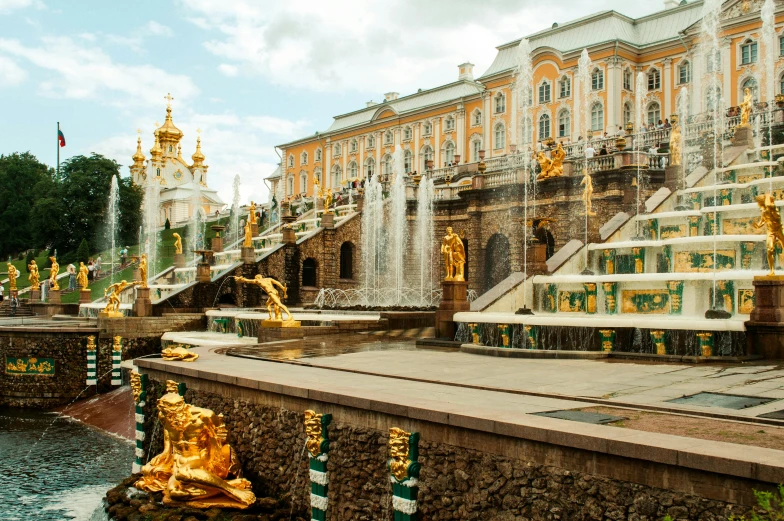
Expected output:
(139, 388)
(116, 361)
(91, 368)
(404, 473)
(318, 447)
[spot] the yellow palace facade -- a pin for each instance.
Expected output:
(450, 124)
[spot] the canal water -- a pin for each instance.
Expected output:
(54, 469)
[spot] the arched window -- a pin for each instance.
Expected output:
(291, 161)
(387, 162)
(353, 170)
(628, 83)
(303, 183)
(597, 79)
(748, 52)
(427, 155)
(449, 153)
(684, 73)
(388, 138)
(597, 117)
(476, 146)
(407, 133)
(347, 260)
(627, 112)
(654, 79)
(500, 103)
(317, 176)
(781, 84)
(449, 123)
(427, 128)
(309, 269)
(544, 126)
(750, 84)
(337, 149)
(654, 113)
(370, 167)
(476, 118)
(337, 174)
(564, 123)
(544, 92)
(290, 185)
(353, 146)
(408, 161)
(318, 154)
(500, 136)
(565, 87)
(303, 158)
(371, 141)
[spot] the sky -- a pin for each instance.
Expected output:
(251, 74)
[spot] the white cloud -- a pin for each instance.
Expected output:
(278, 126)
(8, 6)
(158, 29)
(10, 72)
(81, 72)
(228, 70)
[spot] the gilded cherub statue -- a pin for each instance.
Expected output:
(81, 277)
(247, 242)
(745, 108)
(196, 463)
(177, 244)
(143, 270)
(53, 274)
(252, 213)
(545, 165)
(178, 353)
(588, 193)
(453, 251)
(274, 305)
(113, 292)
(13, 274)
(34, 276)
(771, 218)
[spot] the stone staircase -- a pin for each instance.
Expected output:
(23, 310)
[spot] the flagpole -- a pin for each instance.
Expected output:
(58, 150)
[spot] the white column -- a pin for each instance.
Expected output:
(437, 142)
(378, 153)
(511, 132)
(344, 160)
(460, 122)
(417, 129)
(614, 97)
(486, 123)
(361, 158)
(326, 170)
(667, 85)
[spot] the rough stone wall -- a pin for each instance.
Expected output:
(455, 482)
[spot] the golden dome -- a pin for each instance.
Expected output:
(138, 157)
(168, 134)
(198, 157)
(156, 151)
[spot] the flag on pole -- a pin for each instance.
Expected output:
(60, 137)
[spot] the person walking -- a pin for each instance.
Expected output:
(14, 304)
(123, 256)
(71, 277)
(98, 267)
(90, 269)
(589, 151)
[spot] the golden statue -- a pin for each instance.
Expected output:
(545, 164)
(143, 270)
(314, 431)
(81, 277)
(177, 244)
(454, 256)
(178, 354)
(558, 156)
(196, 462)
(53, 275)
(771, 218)
(34, 276)
(13, 274)
(588, 193)
(112, 308)
(403, 453)
(675, 145)
(274, 305)
(136, 384)
(252, 213)
(745, 108)
(247, 242)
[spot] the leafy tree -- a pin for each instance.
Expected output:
(83, 253)
(131, 196)
(22, 178)
(30, 257)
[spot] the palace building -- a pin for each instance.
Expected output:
(180, 184)
(452, 123)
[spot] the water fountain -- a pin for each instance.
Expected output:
(584, 74)
(113, 215)
(195, 230)
(424, 238)
(640, 90)
(398, 225)
(683, 118)
(770, 53)
(523, 90)
(151, 204)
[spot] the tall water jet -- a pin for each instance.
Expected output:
(683, 117)
(640, 91)
(424, 239)
(151, 204)
(398, 225)
(195, 233)
(523, 91)
(373, 239)
(770, 52)
(235, 208)
(584, 74)
(113, 215)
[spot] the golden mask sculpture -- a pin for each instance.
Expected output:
(675, 144)
(403, 453)
(315, 432)
(13, 274)
(454, 254)
(745, 108)
(196, 463)
(771, 218)
(268, 285)
(53, 274)
(587, 193)
(178, 354)
(34, 276)
(252, 213)
(81, 277)
(143, 270)
(247, 242)
(136, 386)
(113, 292)
(177, 244)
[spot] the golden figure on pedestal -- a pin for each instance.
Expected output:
(13, 274)
(551, 166)
(252, 213)
(588, 193)
(34, 276)
(178, 353)
(745, 108)
(53, 275)
(247, 241)
(675, 143)
(143, 270)
(112, 308)
(771, 218)
(453, 250)
(177, 244)
(326, 195)
(81, 277)
(194, 467)
(274, 305)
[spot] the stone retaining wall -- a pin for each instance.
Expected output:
(467, 472)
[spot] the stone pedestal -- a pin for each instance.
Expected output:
(179, 262)
(54, 296)
(254, 229)
(672, 176)
(203, 272)
(743, 136)
(537, 257)
(209, 257)
(142, 307)
(35, 295)
(84, 296)
(248, 255)
(289, 237)
(478, 182)
(137, 275)
(217, 244)
(360, 200)
(454, 301)
(271, 334)
(328, 220)
(765, 329)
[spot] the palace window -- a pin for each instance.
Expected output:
(476, 146)
(290, 183)
(407, 134)
(564, 123)
(597, 117)
(317, 175)
(427, 128)
(387, 161)
(544, 127)
(500, 136)
(654, 79)
(318, 154)
(781, 45)
(751, 84)
(654, 113)
(781, 84)
(477, 117)
(449, 153)
(353, 170)
(388, 138)
(500, 103)
(684, 73)
(449, 123)
(337, 149)
(291, 161)
(370, 167)
(627, 79)
(627, 113)
(337, 174)
(303, 159)
(713, 63)
(565, 87)
(427, 155)
(353, 146)
(544, 92)
(597, 79)
(748, 52)
(303, 183)
(408, 160)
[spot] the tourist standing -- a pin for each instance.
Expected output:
(91, 269)
(603, 150)
(98, 266)
(589, 151)
(14, 304)
(71, 277)
(123, 256)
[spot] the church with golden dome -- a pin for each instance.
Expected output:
(183, 187)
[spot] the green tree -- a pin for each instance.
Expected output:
(22, 178)
(83, 253)
(131, 196)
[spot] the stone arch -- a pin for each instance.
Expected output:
(310, 272)
(347, 250)
(497, 260)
